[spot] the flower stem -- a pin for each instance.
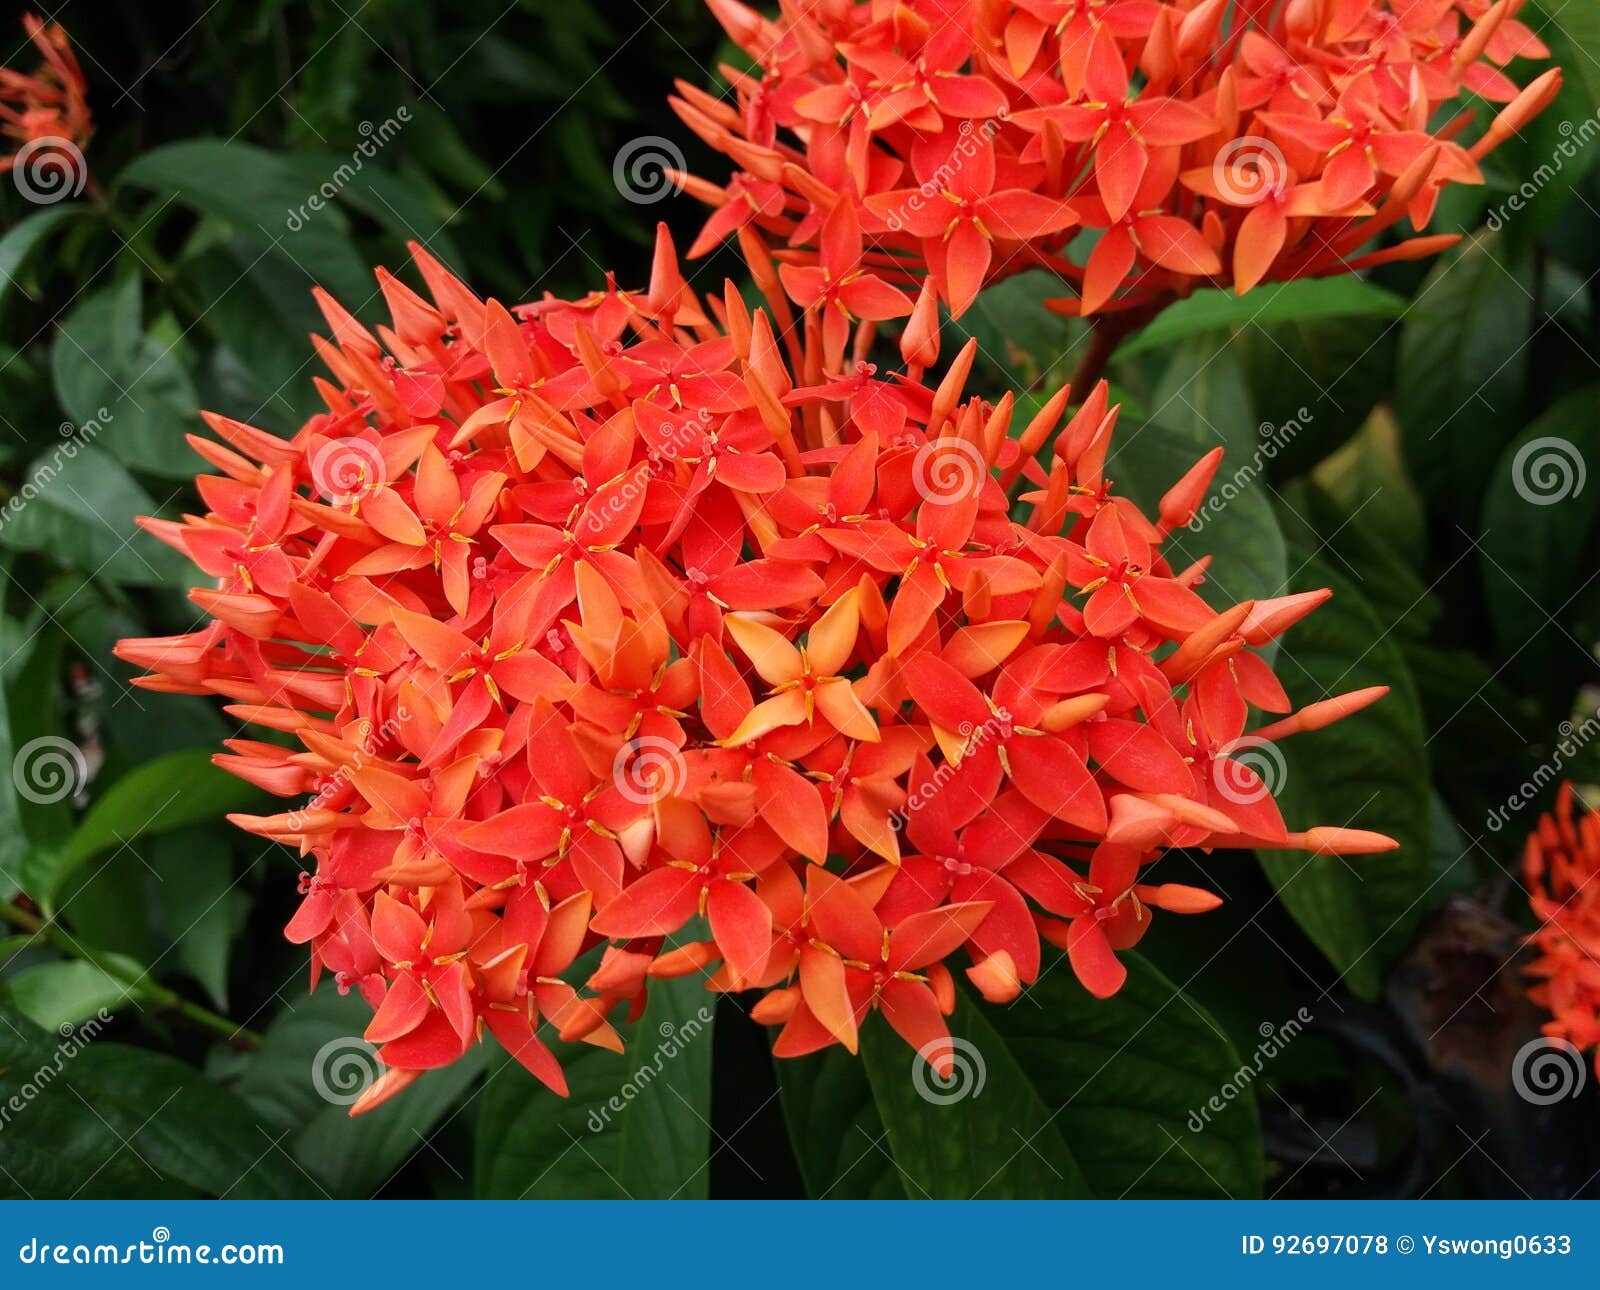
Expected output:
(158, 995)
(1106, 332)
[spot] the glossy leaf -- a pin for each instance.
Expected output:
(1063, 1095)
(89, 1117)
(1369, 771)
(637, 1125)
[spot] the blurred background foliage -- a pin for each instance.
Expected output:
(1373, 431)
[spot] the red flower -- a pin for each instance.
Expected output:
(970, 141)
(1559, 866)
(48, 105)
(586, 618)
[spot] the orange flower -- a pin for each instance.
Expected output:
(1559, 866)
(51, 103)
(973, 141)
(586, 618)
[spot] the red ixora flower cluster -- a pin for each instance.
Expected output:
(1204, 142)
(50, 106)
(586, 618)
(1560, 863)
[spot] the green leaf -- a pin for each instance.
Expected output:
(1237, 526)
(78, 504)
(1202, 395)
(25, 237)
(127, 392)
(1535, 546)
(1063, 1095)
(13, 841)
(433, 139)
(1574, 28)
(197, 901)
(1369, 771)
(835, 1129)
(1320, 378)
(1018, 338)
(1531, 178)
(262, 319)
(312, 1065)
(1342, 297)
(34, 706)
(266, 201)
(407, 213)
(171, 792)
(636, 1126)
(61, 994)
(107, 904)
(1462, 368)
(89, 1118)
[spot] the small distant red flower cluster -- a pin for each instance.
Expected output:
(51, 103)
(1205, 142)
(583, 619)
(1560, 867)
